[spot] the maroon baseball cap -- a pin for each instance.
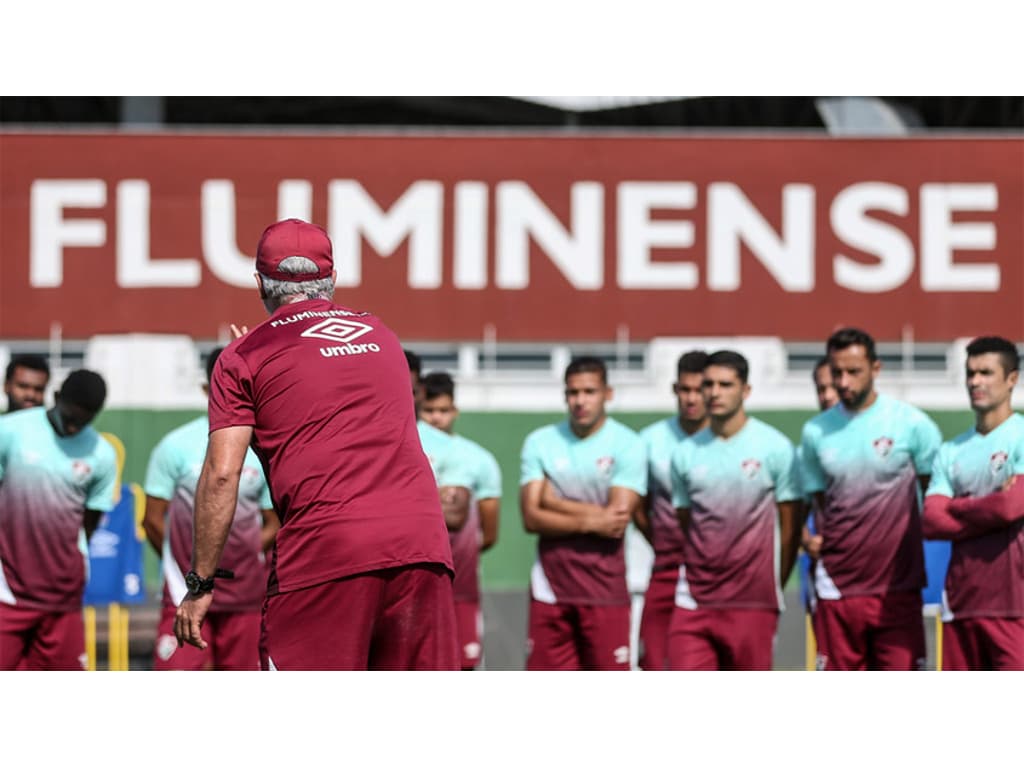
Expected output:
(294, 237)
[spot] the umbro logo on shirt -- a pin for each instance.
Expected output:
(349, 349)
(338, 330)
(342, 331)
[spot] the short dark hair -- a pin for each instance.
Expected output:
(849, 337)
(415, 364)
(1006, 349)
(85, 389)
(32, 362)
(211, 360)
(729, 359)
(587, 364)
(821, 362)
(437, 384)
(692, 362)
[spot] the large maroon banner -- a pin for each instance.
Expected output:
(540, 237)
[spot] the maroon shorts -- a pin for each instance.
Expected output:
(394, 618)
(469, 625)
(36, 640)
(592, 637)
(983, 644)
(875, 632)
(659, 602)
(727, 639)
(232, 642)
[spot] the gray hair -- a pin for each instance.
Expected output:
(277, 291)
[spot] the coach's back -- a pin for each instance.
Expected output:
(326, 390)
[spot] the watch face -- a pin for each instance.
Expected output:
(196, 585)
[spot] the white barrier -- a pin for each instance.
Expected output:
(163, 371)
(148, 370)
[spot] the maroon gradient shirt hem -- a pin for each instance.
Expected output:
(342, 573)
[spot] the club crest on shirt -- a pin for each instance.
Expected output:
(605, 464)
(750, 467)
(80, 470)
(997, 461)
(166, 645)
(883, 446)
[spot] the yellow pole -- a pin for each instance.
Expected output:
(90, 637)
(125, 616)
(810, 647)
(113, 635)
(939, 628)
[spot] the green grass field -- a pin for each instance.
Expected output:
(507, 565)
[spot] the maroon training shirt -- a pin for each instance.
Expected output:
(326, 390)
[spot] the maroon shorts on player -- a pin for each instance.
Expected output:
(469, 625)
(987, 643)
(40, 640)
(567, 637)
(394, 618)
(871, 632)
(232, 643)
(721, 639)
(659, 602)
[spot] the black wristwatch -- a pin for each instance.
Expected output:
(197, 585)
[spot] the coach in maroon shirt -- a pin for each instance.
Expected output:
(362, 575)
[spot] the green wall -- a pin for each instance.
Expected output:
(507, 565)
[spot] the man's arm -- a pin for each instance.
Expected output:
(642, 517)
(791, 526)
(965, 517)
(489, 510)
(938, 522)
(455, 505)
(538, 518)
(153, 521)
(622, 505)
(216, 498)
(551, 500)
(609, 520)
(811, 540)
(271, 524)
(91, 521)
(102, 490)
(683, 516)
(546, 514)
(994, 510)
